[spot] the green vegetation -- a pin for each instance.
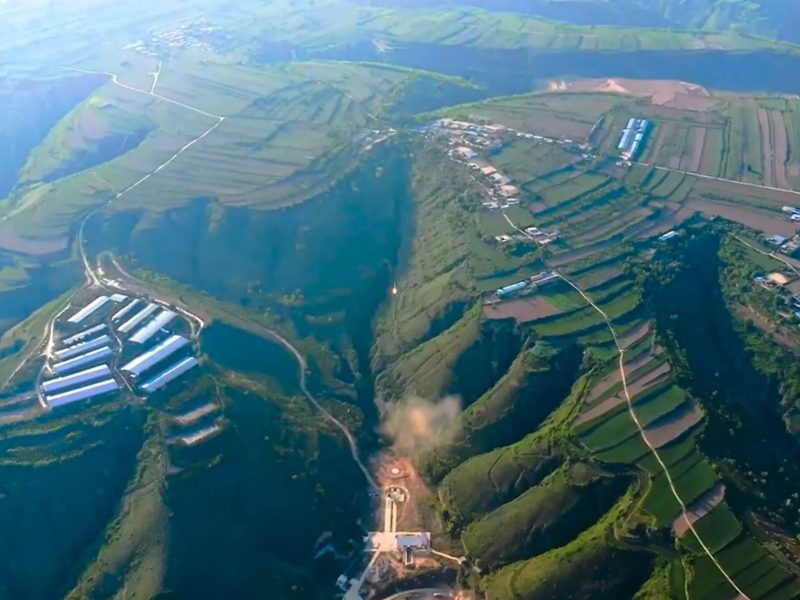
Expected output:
(546, 516)
(535, 383)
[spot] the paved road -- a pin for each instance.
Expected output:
(632, 412)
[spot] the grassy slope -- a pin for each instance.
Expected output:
(546, 516)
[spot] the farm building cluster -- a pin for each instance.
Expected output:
(632, 139)
(789, 246)
(114, 342)
(198, 34)
(500, 189)
(788, 287)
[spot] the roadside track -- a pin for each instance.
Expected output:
(770, 254)
(720, 179)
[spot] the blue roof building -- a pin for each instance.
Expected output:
(126, 309)
(170, 374)
(625, 139)
(84, 393)
(89, 310)
(152, 357)
(72, 364)
(145, 333)
(510, 289)
(63, 383)
(83, 334)
(82, 347)
(128, 325)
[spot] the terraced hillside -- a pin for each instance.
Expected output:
(666, 508)
(373, 209)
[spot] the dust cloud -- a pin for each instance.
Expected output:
(417, 425)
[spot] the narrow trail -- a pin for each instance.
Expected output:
(639, 427)
(303, 366)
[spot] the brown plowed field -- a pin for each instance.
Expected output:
(732, 189)
(691, 102)
(673, 425)
(781, 148)
(599, 410)
(613, 378)
(634, 336)
(521, 310)
(661, 92)
(767, 222)
(634, 388)
(666, 222)
(10, 240)
(637, 386)
(766, 147)
(698, 142)
(652, 155)
(699, 508)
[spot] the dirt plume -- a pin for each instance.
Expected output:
(417, 425)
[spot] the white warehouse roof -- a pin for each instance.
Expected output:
(138, 318)
(90, 391)
(145, 333)
(84, 359)
(126, 309)
(170, 374)
(89, 309)
(63, 383)
(82, 347)
(148, 359)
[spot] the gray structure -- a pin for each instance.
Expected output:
(83, 360)
(126, 309)
(83, 334)
(83, 393)
(89, 309)
(152, 357)
(128, 325)
(510, 289)
(82, 347)
(170, 374)
(63, 383)
(153, 327)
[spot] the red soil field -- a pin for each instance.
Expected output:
(521, 310)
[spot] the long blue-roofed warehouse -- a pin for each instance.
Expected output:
(83, 334)
(58, 384)
(83, 393)
(161, 320)
(89, 310)
(170, 374)
(632, 138)
(514, 287)
(82, 347)
(66, 366)
(128, 325)
(152, 357)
